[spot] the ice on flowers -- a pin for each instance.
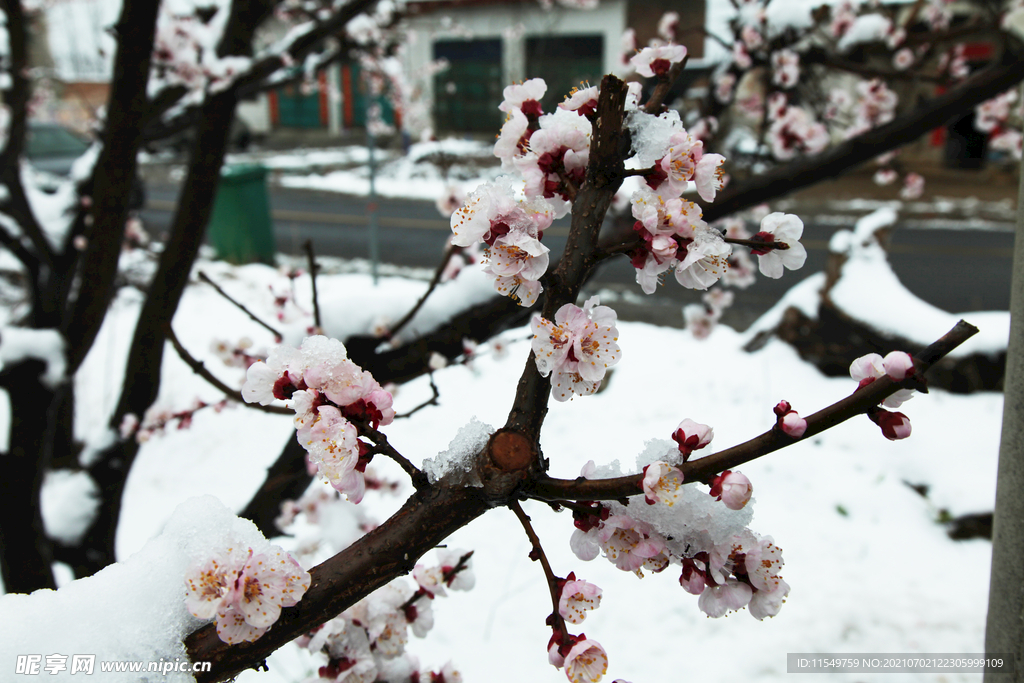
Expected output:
(244, 591)
(577, 348)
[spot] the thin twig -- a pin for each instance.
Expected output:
(757, 244)
(382, 446)
(703, 469)
(429, 402)
(200, 369)
(434, 281)
(203, 276)
(665, 83)
(312, 277)
(538, 554)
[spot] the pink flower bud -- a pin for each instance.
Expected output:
(898, 365)
(789, 421)
(894, 426)
(793, 425)
(692, 436)
(733, 489)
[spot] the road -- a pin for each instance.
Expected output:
(955, 270)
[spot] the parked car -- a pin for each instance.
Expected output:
(53, 149)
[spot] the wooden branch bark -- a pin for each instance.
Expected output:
(796, 175)
(386, 553)
(703, 469)
(113, 177)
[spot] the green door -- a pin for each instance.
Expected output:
(564, 62)
(468, 92)
(296, 110)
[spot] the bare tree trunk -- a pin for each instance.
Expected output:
(27, 553)
(1004, 630)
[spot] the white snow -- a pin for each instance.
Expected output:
(19, 343)
(867, 28)
(868, 563)
(869, 291)
(130, 611)
(460, 458)
(69, 501)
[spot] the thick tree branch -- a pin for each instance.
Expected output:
(113, 177)
(386, 553)
(703, 469)
(604, 176)
(788, 178)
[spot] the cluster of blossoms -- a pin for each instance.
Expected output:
(897, 365)
(329, 393)
(237, 355)
(993, 116)
(244, 591)
(794, 131)
(722, 561)
(185, 54)
(702, 318)
(366, 642)
(156, 420)
(577, 348)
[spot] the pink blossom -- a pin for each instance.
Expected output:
(583, 101)
(767, 603)
(894, 426)
(898, 365)
(751, 37)
(576, 598)
(244, 591)
(763, 562)
(913, 186)
(517, 253)
(513, 140)
(586, 662)
(692, 436)
(700, 320)
(903, 59)
(708, 176)
(785, 228)
(656, 61)
(724, 84)
(716, 600)
(732, 488)
(884, 176)
(430, 579)
(785, 68)
(661, 483)
(667, 25)
(525, 97)
(794, 131)
(632, 545)
(706, 259)
(577, 348)
(870, 367)
(792, 424)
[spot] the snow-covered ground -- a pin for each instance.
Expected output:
(871, 570)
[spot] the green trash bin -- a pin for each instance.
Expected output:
(240, 227)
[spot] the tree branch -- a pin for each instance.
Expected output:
(113, 177)
(703, 469)
(240, 306)
(386, 553)
(804, 172)
(199, 368)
